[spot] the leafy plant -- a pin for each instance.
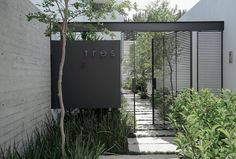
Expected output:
(128, 84)
(163, 101)
(86, 149)
(143, 95)
(206, 124)
(88, 135)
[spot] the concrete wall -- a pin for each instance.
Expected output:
(25, 95)
(125, 53)
(220, 10)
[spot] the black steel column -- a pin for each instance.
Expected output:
(153, 85)
(50, 29)
(163, 69)
(191, 60)
(134, 90)
(197, 61)
(222, 59)
(176, 64)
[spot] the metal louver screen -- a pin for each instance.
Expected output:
(209, 60)
(170, 61)
(183, 60)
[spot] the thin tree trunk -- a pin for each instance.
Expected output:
(171, 77)
(60, 94)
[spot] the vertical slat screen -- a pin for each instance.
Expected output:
(183, 60)
(209, 60)
(170, 61)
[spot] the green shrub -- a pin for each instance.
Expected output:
(143, 95)
(86, 149)
(206, 124)
(46, 145)
(128, 84)
(162, 101)
(141, 84)
(88, 135)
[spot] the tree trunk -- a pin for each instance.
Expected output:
(171, 77)
(61, 95)
(61, 68)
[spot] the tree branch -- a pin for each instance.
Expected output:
(59, 8)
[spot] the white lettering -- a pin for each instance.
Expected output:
(86, 53)
(101, 53)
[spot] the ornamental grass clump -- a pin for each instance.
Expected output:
(89, 134)
(205, 124)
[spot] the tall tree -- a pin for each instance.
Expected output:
(158, 11)
(59, 13)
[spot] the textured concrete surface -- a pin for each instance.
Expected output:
(25, 94)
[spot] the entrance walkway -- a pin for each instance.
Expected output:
(148, 138)
(149, 141)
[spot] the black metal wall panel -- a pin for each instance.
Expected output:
(91, 74)
(149, 26)
(209, 60)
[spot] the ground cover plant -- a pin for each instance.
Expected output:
(88, 134)
(205, 124)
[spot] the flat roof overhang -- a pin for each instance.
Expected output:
(148, 26)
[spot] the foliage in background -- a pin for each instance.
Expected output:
(88, 134)
(158, 11)
(206, 124)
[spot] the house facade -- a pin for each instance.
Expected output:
(218, 10)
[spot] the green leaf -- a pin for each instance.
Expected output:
(225, 132)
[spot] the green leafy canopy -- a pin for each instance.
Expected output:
(53, 11)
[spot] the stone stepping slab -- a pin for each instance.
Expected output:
(147, 119)
(140, 157)
(152, 127)
(140, 111)
(161, 145)
(138, 122)
(138, 118)
(154, 133)
(131, 108)
(144, 116)
(149, 122)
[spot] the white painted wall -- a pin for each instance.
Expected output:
(220, 10)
